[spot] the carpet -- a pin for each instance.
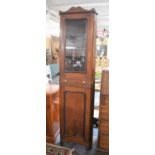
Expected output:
(57, 150)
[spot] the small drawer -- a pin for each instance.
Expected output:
(75, 82)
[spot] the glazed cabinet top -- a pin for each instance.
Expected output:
(77, 44)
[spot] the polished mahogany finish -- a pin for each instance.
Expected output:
(104, 113)
(77, 70)
(52, 113)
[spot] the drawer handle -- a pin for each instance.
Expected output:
(83, 82)
(65, 80)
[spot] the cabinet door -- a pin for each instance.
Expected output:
(77, 46)
(76, 115)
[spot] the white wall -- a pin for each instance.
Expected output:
(52, 27)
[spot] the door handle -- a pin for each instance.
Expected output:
(83, 82)
(65, 80)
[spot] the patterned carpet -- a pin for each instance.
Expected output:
(76, 150)
(81, 150)
(57, 150)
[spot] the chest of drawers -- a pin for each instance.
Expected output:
(52, 113)
(103, 143)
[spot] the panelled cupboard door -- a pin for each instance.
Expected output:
(77, 72)
(76, 113)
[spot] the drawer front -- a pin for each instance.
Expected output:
(76, 82)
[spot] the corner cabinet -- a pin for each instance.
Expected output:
(77, 75)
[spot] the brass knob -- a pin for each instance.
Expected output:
(65, 80)
(83, 82)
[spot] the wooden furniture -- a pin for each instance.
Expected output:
(52, 113)
(77, 69)
(104, 113)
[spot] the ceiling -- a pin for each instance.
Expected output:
(54, 6)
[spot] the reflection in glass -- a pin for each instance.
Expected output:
(75, 55)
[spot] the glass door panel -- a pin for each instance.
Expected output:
(75, 49)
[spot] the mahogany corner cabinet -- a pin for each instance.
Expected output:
(77, 75)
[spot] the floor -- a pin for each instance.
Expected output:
(81, 150)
